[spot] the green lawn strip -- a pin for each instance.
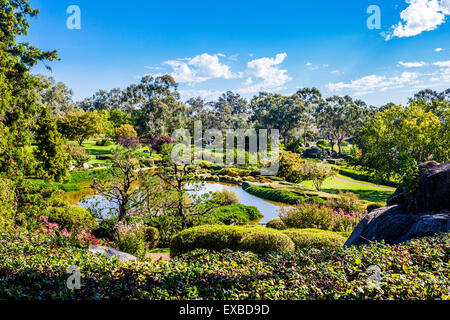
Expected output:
(365, 192)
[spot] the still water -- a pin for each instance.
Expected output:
(87, 198)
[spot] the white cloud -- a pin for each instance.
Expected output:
(373, 83)
(438, 50)
(268, 70)
(308, 64)
(442, 63)
(412, 64)
(200, 68)
(420, 16)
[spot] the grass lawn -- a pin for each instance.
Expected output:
(368, 192)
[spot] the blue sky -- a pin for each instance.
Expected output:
(250, 46)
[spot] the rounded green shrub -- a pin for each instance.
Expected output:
(72, 218)
(265, 240)
(276, 223)
(216, 237)
(151, 237)
(236, 213)
(314, 238)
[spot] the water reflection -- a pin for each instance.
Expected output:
(87, 198)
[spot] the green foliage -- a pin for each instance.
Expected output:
(291, 168)
(415, 270)
(151, 237)
(80, 126)
(72, 218)
(130, 238)
(276, 223)
(124, 131)
(77, 176)
(236, 213)
(7, 199)
(307, 215)
(400, 134)
(347, 201)
(314, 238)
(53, 162)
(226, 197)
(103, 142)
(234, 172)
(214, 237)
(78, 155)
(276, 195)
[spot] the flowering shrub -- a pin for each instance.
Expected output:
(158, 142)
(342, 221)
(129, 142)
(130, 238)
(415, 270)
(307, 215)
(63, 237)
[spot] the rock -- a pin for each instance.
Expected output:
(424, 212)
(394, 225)
(111, 252)
(433, 191)
(86, 166)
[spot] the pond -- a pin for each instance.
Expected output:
(88, 199)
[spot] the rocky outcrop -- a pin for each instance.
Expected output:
(424, 212)
(111, 252)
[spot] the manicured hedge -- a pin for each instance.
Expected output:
(33, 268)
(283, 196)
(315, 238)
(236, 213)
(216, 237)
(276, 223)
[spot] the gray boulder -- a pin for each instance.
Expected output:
(394, 225)
(111, 252)
(425, 212)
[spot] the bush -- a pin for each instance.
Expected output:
(151, 237)
(275, 194)
(104, 157)
(261, 241)
(276, 223)
(214, 237)
(307, 215)
(227, 197)
(78, 155)
(291, 168)
(124, 131)
(72, 218)
(106, 228)
(314, 238)
(348, 202)
(131, 237)
(234, 172)
(103, 142)
(236, 213)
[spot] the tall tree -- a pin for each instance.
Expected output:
(80, 126)
(340, 118)
(274, 111)
(56, 96)
(17, 87)
(310, 99)
(54, 163)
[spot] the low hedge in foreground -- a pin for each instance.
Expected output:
(216, 237)
(315, 238)
(31, 268)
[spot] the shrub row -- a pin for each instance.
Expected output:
(283, 196)
(216, 237)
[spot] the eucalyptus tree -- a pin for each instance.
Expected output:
(275, 111)
(156, 106)
(310, 100)
(56, 96)
(340, 117)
